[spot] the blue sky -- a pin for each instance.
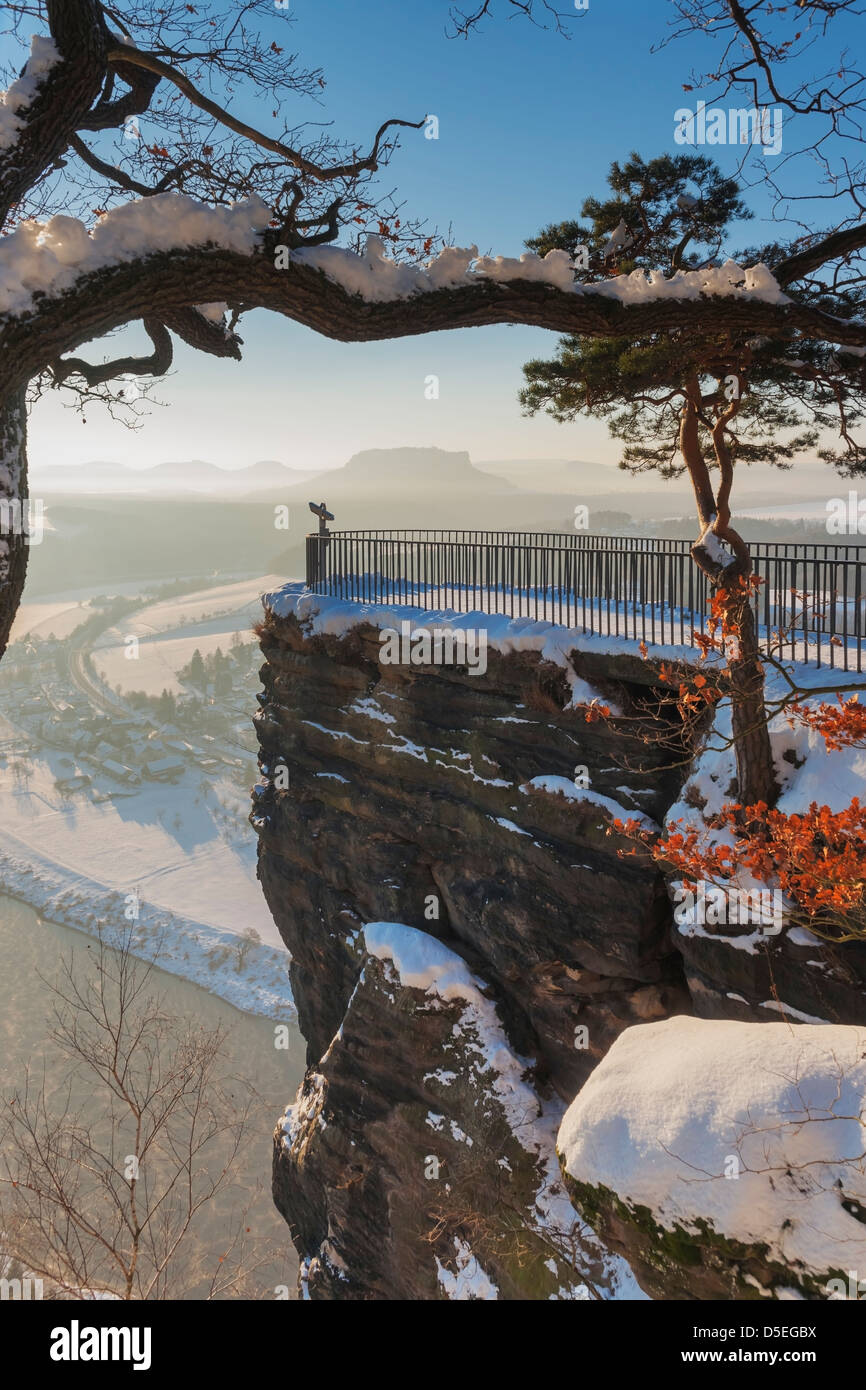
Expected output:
(528, 126)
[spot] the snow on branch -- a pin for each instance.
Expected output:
(375, 277)
(46, 258)
(234, 254)
(43, 57)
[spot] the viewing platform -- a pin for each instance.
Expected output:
(810, 605)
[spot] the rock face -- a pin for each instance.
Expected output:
(755, 978)
(400, 1182)
(456, 805)
(406, 803)
(409, 800)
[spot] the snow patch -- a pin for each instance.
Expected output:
(44, 56)
(562, 786)
(508, 825)
(322, 614)
(372, 710)
(672, 1102)
(468, 1280)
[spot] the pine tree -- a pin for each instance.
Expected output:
(197, 675)
(701, 402)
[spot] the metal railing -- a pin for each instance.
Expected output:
(810, 606)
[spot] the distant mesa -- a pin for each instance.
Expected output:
(412, 471)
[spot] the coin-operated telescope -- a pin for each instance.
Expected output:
(317, 545)
(320, 510)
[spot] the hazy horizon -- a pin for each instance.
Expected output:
(561, 477)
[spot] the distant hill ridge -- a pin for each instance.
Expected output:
(431, 480)
(188, 476)
(371, 473)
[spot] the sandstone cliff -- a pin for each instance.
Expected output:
(441, 800)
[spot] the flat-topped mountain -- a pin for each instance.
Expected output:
(376, 472)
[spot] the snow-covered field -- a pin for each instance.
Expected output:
(159, 658)
(166, 840)
(62, 613)
(254, 979)
(169, 632)
(49, 618)
(180, 854)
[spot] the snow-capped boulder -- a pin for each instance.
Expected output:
(725, 1159)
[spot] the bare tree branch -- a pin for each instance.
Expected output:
(157, 364)
(323, 173)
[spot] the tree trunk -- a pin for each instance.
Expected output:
(756, 777)
(13, 508)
